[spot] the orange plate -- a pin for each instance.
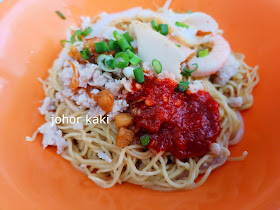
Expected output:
(33, 178)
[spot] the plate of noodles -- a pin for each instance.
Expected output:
(159, 104)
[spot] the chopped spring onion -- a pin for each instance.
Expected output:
(111, 63)
(178, 45)
(63, 41)
(135, 60)
(77, 34)
(85, 54)
(139, 75)
(163, 29)
(202, 53)
(189, 12)
(101, 47)
(129, 53)
(183, 25)
(117, 35)
(145, 139)
(124, 57)
(60, 15)
(123, 43)
(103, 60)
(188, 72)
(87, 31)
(154, 25)
(157, 66)
(73, 39)
(183, 86)
(113, 45)
(127, 37)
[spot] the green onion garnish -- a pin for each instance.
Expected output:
(189, 11)
(78, 34)
(117, 35)
(157, 66)
(129, 53)
(188, 72)
(73, 39)
(202, 53)
(183, 25)
(87, 31)
(154, 25)
(135, 60)
(124, 57)
(85, 54)
(178, 45)
(123, 43)
(101, 47)
(111, 63)
(163, 29)
(113, 45)
(183, 86)
(103, 60)
(60, 15)
(139, 75)
(63, 41)
(127, 37)
(145, 139)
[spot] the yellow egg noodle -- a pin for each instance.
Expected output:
(134, 163)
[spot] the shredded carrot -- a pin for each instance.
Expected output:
(75, 78)
(202, 33)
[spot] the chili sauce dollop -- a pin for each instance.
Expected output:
(182, 123)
